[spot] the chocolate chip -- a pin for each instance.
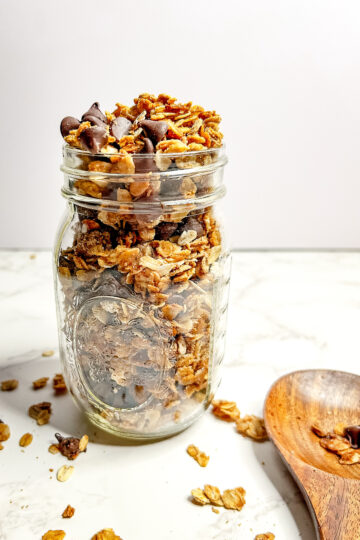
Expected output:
(94, 120)
(93, 139)
(120, 127)
(145, 164)
(165, 230)
(155, 130)
(67, 124)
(95, 111)
(192, 224)
(353, 435)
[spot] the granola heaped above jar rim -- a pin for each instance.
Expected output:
(152, 125)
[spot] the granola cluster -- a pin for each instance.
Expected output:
(160, 124)
(232, 499)
(141, 279)
(342, 441)
(250, 426)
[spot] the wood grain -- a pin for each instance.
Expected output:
(331, 490)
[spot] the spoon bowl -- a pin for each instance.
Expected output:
(294, 403)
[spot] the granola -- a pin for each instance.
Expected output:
(225, 410)
(253, 427)
(40, 383)
(64, 473)
(10, 385)
(41, 412)
(141, 279)
(59, 385)
(106, 534)
(198, 456)
(4, 432)
(265, 536)
(70, 447)
(342, 441)
(232, 499)
(68, 512)
(54, 535)
(26, 439)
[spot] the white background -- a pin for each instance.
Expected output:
(283, 74)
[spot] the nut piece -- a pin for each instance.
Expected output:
(350, 457)
(234, 499)
(106, 534)
(199, 497)
(59, 385)
(47, 353)
(4, 432)
(41, 412)
(335, 444)
(213, 494)
(64, 473)
(252, 426)
(26, 439)
(40, 383)
(226, 410)
(318, 430)
(53, 535)
(198, 456)
(83, 443)
(54, 449)
(8, 386)
(265, 536)
(68, 512)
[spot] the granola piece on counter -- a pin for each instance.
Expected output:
(71, 447)
(26, 439)
(253, 427)
(10, 385)
(232, 499)
(213, 494)
(48, 353)
(40, 383)
(106, 534)
(201, 458)
(59, 385)
(68, 512)
(41, 412)
(54, 535)
(225, 410)
(265, 536)
(4, 432)
(64, 473)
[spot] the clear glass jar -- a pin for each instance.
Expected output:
(141, 278)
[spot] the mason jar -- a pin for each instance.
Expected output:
(141, 277)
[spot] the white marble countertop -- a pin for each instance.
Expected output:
(287, 311)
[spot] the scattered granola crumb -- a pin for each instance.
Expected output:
(32, 256)
(4, 432)
(106, 534)
(10, 385)
(51, 470)
(225, 410)
(198, 456)
(64, 473)
(48, 353)
(265, 536)
(232, 499)
(253, 427)
(53, 535)
(41, 412)
(215, 510)
(26, 439)
(68, 512)
(40, 383)
(59, 385)
(54, 449)
(71, 447)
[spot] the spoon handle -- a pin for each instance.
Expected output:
(334, 502)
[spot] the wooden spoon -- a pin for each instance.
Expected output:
(331, 490)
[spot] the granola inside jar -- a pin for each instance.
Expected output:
(141, 276)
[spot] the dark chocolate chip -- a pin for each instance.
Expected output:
(120, 127)
(67, 124)
(95, 111)
(192, 224)
(353, 435)
(145, 164)
(93, 139)
(155, 130)
(94, 120)
(165, 230)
